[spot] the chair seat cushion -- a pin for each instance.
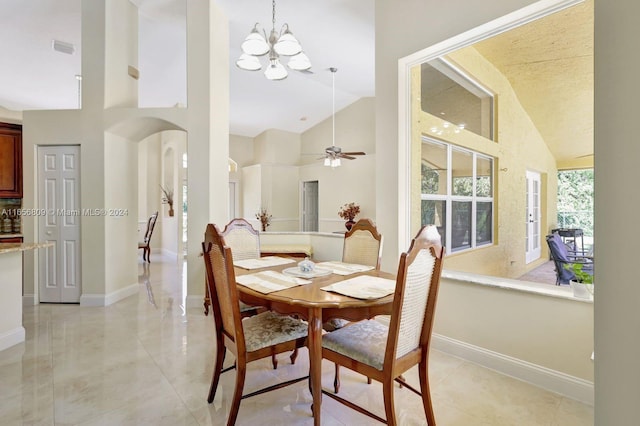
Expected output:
(364, 341)
(268, 329)
(334, 324)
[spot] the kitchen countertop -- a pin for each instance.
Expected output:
(13, 247)
(10, 236)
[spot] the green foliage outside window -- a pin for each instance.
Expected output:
(575, 200)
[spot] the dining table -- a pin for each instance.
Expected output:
(316, 305)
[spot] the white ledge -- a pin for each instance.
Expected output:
(323, 234)
(561, 292)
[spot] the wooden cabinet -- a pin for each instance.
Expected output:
(10, 160)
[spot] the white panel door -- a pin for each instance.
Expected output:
(59, 201)
(310, 206)
(533, 217)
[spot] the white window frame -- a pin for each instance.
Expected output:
(449, 198)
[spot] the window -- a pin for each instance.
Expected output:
(457, 194)
(456, 98)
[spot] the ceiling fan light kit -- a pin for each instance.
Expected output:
(278, 44)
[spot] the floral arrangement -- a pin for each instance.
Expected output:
(349, 211)
(167, 197)
(264, 217)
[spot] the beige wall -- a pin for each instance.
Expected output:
(551, 332)
(519, 147)
(422, 24)
(274, 167)
(617, 66)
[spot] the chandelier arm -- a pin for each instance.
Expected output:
(273, 15)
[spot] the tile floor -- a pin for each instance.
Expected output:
(147, 361)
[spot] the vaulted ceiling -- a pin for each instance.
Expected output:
(549, 64)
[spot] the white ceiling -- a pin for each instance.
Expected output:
(333, 33)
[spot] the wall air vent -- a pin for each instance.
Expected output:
(63, 47)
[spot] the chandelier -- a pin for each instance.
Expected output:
(278, 44)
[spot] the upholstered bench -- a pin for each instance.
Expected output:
(293, 250)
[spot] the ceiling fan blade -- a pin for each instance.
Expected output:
(355, 153)
(348, 157)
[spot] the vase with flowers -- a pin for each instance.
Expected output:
(264, 217)
(167, 198)
(349, 212)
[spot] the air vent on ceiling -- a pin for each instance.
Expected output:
(63, 47)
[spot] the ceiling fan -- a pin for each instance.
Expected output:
(333, 154)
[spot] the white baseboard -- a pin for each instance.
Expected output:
(169, 254)
(12, 337)
(29, 300)
(546, 378)
(108, 299)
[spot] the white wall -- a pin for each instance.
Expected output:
(121, 193)
(206, 120)
(269, 180)
(354, 180)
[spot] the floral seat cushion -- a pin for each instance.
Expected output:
(364, 341)
(268, 329)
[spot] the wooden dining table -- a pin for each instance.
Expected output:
(317, 306)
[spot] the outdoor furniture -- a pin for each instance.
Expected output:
(563, 258)
(145, 244)
(570, 237)
(256, 337)
(384, 353)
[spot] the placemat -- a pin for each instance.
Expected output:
(269, 281)
(364, 287)
(341, 268)
(262, 262)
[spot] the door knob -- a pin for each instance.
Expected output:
(48, 232)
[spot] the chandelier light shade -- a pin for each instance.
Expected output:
(278, 44)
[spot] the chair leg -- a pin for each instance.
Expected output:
(293, 356)
(423, 373)
(241, 370)
(148, 254)
(274, 361)
(389, 407)
(336, 380)
(217, 370)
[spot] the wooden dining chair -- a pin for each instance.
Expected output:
(253, 338)
(145, 244)
(362, 245)
(385, 352)
(241, 236)
(244, 240)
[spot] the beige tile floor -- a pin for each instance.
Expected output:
(146, 360)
